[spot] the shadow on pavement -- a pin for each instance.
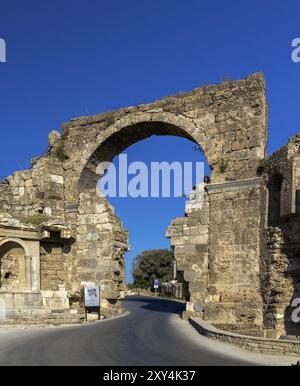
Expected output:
(159, 305)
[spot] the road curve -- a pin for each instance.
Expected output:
(152, 334)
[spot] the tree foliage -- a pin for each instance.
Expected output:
(150, 265)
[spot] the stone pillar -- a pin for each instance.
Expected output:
(28, 272)
(190, 237)
(35, 270)
(277, 284)
(101, 245)
(34, 249)
(234, 299)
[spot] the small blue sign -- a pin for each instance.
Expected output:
(156, 283)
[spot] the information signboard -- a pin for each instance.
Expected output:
(92, 296)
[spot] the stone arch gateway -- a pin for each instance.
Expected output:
(227, 121)
(220, 249)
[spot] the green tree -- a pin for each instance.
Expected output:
(150, 265)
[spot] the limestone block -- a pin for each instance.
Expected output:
(56, 178)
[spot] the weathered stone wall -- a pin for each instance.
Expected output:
(222, 260)
(291, 250)
(286, 163)
(53, 266)
(32, 293)
(37, 190)
(234, 288)
(277, 286)
(101, 244)
(254, 248)
(36, 307)
(190, 238)
(281, 272)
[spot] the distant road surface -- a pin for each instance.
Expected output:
(151, 334)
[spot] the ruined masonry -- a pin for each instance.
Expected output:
(238, 256)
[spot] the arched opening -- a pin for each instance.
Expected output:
(123, 139)
(147, 218)
(274, 205)
(102, 239)
(12, 266)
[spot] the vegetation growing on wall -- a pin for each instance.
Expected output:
(35, 219)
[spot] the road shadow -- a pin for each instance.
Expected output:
(158, 305)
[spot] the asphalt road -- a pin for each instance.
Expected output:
(152, 334)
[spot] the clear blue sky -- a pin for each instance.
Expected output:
(70, 58)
